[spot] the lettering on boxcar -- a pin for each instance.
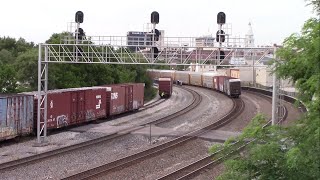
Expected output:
(51, 104)
(98, 106)
(114, 95)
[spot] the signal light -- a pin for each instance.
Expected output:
(221, 18)
(81, 34)
(220, 34)
(221, 55)
(155, 51)
(156, 35)
(154, 17)
(79, 17)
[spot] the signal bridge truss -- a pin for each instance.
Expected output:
(122, 50)
(170, 51)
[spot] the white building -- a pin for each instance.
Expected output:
(249, 39)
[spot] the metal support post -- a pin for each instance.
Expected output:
(274, 94)
(220, 43)
(152, 50)
(274, 99)
(39, 95)
(46, 78)
(42, 97)
(253, 72)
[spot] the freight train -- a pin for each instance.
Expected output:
(213, 80)
(66, 107)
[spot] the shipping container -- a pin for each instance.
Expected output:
(16, 115)
(74, 106)
(165, 87)
(182, 76)
(195, 78)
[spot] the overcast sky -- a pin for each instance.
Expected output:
(36, 20)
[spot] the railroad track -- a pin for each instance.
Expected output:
(119, 164)
(51, 154)
(194, 169)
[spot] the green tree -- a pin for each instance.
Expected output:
(6, 57)
(26, 66)
(8, 82)
(293, 152)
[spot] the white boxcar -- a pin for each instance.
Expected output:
(154, 73)
(182, 76)
(207, 79)
(195, 78)
(167, 74)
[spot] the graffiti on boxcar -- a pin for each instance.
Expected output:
(51, 104)
(120, 109)
(7, 131)
(101, 113)
(62, 120)
(90, 115)
(136, 104)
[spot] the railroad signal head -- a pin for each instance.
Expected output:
(156, 34)
(221, 18)
(155, 17)
(79, 17)
(220, 34)
(220, 56)
(155, 51)
(81, 33)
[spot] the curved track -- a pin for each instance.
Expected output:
(192, 170)
(51, 154)
(161, 148)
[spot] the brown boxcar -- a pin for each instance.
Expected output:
(122, 98)
(217, 85)
(165, 87)
(16, 115)
(74, 106)
(138, 95)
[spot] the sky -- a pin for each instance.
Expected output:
(272, 21)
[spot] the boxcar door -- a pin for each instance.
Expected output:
(129, 97)
(81, 110)
(74, 107)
